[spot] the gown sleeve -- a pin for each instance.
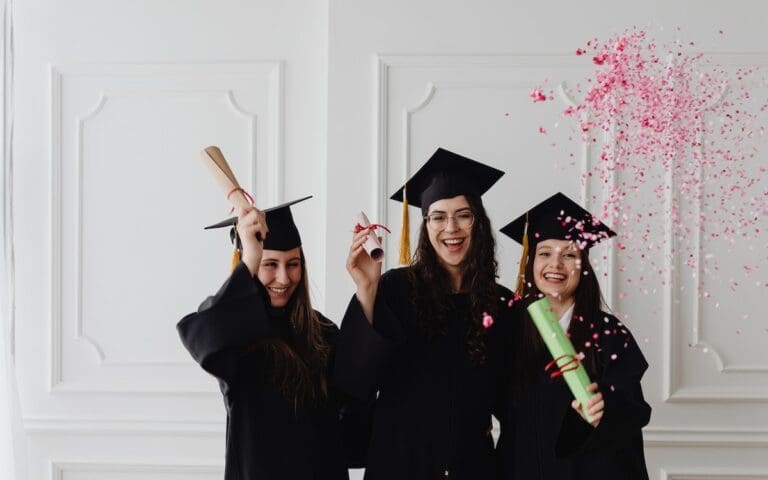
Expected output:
(355, 416)
(235, 317)
(364, 351)
(626, 411)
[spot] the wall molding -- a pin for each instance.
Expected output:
(58, 468)
(385, 64)
(712, 473)
(118, 427)
(272, 72)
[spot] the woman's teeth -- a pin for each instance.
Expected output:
(278, 291)
(451, 242)
(557, 277)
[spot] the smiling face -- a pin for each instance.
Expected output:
(280, 272)
(450, 230)
(557, 269)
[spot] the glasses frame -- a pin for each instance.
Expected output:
(448, 219)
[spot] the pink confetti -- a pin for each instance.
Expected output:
(538, 96)
(672, 113)
(614, 356)
(487, 320)
(543, 130)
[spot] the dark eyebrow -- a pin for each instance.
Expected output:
(271, 259)
(457, 211)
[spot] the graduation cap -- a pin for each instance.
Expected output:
(445, 175)
(558, 217)
(283, 234)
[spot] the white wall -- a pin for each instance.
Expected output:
(114, 102)
(340, 99)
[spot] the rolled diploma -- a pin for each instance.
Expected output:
(559, 345)
(372, 245)
(222, 174)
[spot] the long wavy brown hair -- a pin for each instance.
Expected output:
(299, 370)
(431, 282)
(531, 354)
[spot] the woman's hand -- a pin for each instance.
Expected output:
(365, 272)
(595, 405)
(252, 230)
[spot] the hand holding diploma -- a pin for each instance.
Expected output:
(251, 229)
(565, 358)
(595, 406)
(373, 243)
(362, 267)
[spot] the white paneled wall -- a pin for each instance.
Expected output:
(341, 99)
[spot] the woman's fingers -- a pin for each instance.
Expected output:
(597, 407)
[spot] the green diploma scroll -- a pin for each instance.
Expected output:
(562, 351)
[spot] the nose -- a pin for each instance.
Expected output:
(451, 224)
(282, 275)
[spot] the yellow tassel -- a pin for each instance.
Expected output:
(523, 261)
(405, 235)
(235, 258)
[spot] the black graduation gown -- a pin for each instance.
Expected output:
(543, 438)
(266, 437)
(434, 406)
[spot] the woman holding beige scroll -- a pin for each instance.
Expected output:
(544, 434)
(272, 354)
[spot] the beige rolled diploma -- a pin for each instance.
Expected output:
(216, 163)
(562, 351)
(372, 245)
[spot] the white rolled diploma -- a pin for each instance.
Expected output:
(372, 245)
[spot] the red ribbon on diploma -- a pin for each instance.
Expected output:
(238, 189)
(359, 228)
(568, 366)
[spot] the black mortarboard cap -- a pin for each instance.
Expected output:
(283, 234)
(558, 217)
(446, 175)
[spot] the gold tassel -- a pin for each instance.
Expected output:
(405, 235)
(523, 261)
(235, 258)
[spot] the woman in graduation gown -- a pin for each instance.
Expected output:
(544, 434)
(416, 336)
(272, 355)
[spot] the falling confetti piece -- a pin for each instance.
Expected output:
(487, 320)
(538, 96)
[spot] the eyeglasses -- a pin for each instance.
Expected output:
(439, 221)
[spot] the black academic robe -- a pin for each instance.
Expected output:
(432, 418)
(267, 438)
(543, 438)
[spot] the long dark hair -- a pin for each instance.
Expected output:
(531, 354)
(299, 370)
(431, 282)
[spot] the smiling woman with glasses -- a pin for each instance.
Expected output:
(420, 335)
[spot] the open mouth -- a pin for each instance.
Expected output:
(277, 291)
(554, 277)
(453, 244)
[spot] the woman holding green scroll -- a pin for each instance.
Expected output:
(544, 432)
